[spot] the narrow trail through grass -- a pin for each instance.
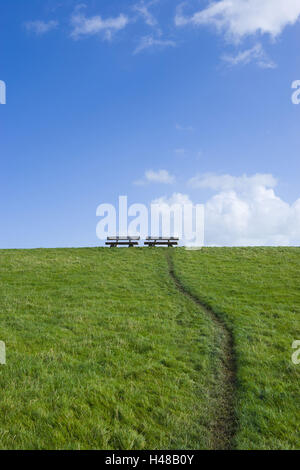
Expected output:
(224, 423)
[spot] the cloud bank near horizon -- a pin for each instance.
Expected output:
(244, 211)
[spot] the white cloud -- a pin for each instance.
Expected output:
(179, 127)
(40, 27)
(84, 26)
(245, 211)
(240, 18)
(143, 9)
(161, 176)
(250, 213)
(150, 42)
(180, 151)
(228, 182)
(255, 54)
(176, 198)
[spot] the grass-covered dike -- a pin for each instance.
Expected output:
(105, 352)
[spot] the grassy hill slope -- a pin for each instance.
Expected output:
(103, 352)
(256, 292)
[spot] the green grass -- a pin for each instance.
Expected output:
(103, 352)
(257, 293)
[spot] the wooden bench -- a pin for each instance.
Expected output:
(160, 241)
(113, 242)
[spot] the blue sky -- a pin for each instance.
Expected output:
(156, 99)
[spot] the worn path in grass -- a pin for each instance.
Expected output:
(223, 425)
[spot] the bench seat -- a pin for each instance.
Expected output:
(161, 241)
(114, 242)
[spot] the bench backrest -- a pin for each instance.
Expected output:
(123, 238)
(163, 238)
